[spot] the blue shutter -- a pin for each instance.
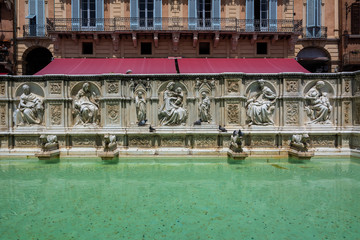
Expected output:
(318, 13)
(99, 15)
(158, 14)
(75, 15)
(134, 14)
(40, 18)
(249, 15)
(313, 22)
(31, 16)
(192, 14)
(273, 15)
(216, 15)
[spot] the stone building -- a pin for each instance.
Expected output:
(350, 35)
(307, 29)
(6, 36)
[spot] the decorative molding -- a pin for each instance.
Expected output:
(347, 87)
(140, 141)
(233, 113)
(173, 141)
(2, 88)
(323, 141)
(80, 141)
(292, 86)
(201, 82)
(55, 87)
(3, 115)
(292, 113)
(26, 141)
(206, 141)
(112, 87)
(146, 84)
(347, 112)
(113, 113)
(233, 86)
(55, 113)
(357, 113)
(262, 141)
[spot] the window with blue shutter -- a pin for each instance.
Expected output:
(158, 14)
(216, 14)
(32, 17)
(192, 16)
(249, 22)
(273, 15)
(99, 15)
(313, 18)
(134, 17)
(40, 18)
(75, 15)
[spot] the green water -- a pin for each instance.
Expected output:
(89, 200)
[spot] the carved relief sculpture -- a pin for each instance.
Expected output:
(86, 106)
(140, 107)
(48, 143)
(260, 105)
(172, 112)
(300, 142)
(236, 141)
(30, 109)
(318, 106)
(204, 108)
(110, 143)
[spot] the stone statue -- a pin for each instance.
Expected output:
(110, 143)
(30, 109)
(86, 106)
(300, 142)
(49, 143)
(318, 106)
(172, 112)
(236, 141)
(140, 107)
(204, 108)
(261, 105)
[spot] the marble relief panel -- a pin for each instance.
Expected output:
(203, 141)
(292, 113)
(26, 141)
(262, 141)
(55, 114)
(3, 115)
(173, 141)
(323, 141)
(83, 141)
(140, 141)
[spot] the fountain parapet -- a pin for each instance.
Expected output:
(50, 152)
(110, 154)
(236, 152)
(299, 148)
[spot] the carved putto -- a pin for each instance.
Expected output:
(236, 141)
(172, 112)
(30, 110)
(140, 107)
(49, 143)
(318, 107)
(260, 105)
(86, 106)
(204, 108)
(300, 142)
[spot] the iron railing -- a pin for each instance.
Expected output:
(35, 30)
(351, 58)
(172, 24)
(314, 32)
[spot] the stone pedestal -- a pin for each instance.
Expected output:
(49, 156)
(300, 157)
(109, 157)
(236, 157)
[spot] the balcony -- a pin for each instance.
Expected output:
(314, 33)
(34, 30)
(122, 24)
(351, 58)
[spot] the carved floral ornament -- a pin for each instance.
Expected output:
(144, 83)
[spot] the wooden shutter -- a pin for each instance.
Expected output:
(99, 15)
(40, 18)
(32, 7)
(355, 18)
(75, 15)
(134, 14)
(158, 14)
(216, 14)
(192, 14)
(273, 15)
(249, 15)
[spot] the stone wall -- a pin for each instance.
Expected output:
(327, 106)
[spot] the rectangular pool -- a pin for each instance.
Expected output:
(179, 200)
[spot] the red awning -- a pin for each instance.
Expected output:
(76, 66)
(245, 65)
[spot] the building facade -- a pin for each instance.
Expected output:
(6, 37)
(307, 29)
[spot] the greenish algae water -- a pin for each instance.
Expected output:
(179, 200)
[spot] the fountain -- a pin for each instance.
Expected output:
(50, 152)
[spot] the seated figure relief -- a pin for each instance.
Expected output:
(318, 107)
(86, 106)
(30, 110)
(172, 112)
(260, 105)
(204, 108)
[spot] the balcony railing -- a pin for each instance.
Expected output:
(172, 24)
(351, 58)
(314, 32)
(35, 30)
